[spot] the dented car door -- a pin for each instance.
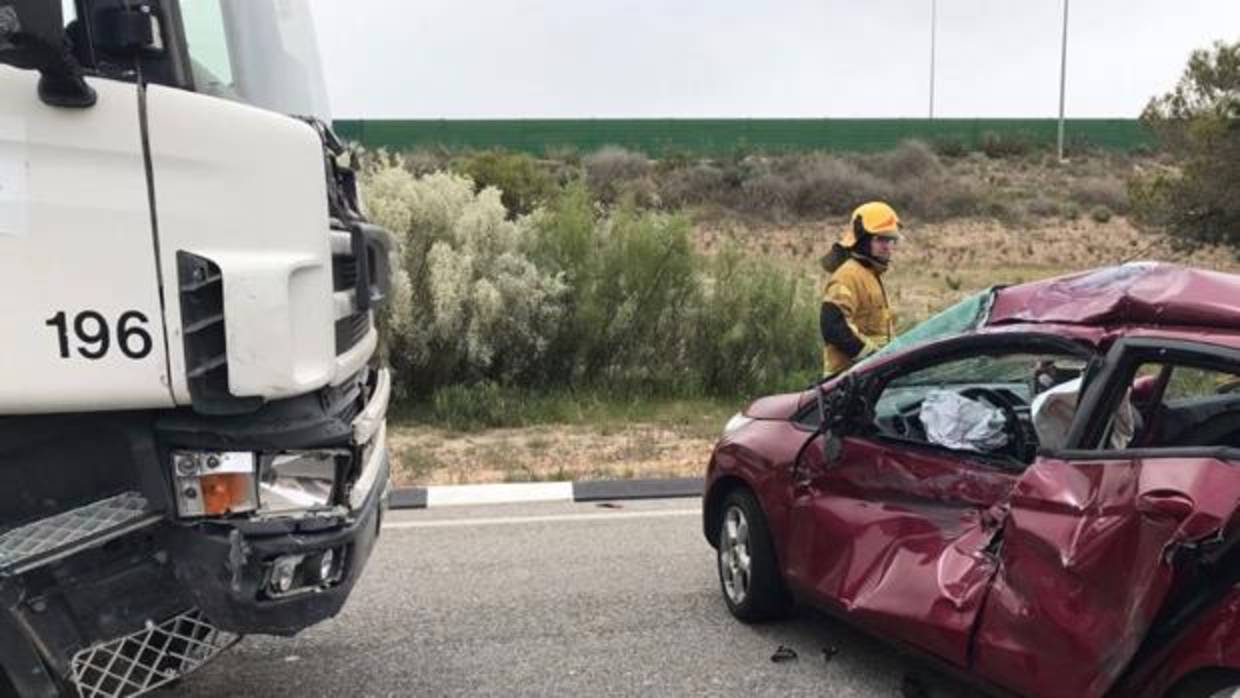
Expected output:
(900, 535)
(1086, 564)
(898, 540)
(1100, 543)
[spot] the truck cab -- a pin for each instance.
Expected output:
(192, 407)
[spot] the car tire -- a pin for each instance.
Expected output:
(749, 576)
(1209, 684)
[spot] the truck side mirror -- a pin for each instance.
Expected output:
(61, 83)
(125, 31)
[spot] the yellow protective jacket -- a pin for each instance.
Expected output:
(856, 318)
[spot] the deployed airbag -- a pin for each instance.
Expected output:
(958, 422)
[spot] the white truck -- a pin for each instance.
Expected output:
(192, 412)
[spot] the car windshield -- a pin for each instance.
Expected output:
(967, 315)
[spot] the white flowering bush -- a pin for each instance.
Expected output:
(573, 295)
(468, 304)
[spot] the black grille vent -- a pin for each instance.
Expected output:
(201, 288)
(344, 272)
(351, 330)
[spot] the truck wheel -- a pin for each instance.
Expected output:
(1209, 684)
(748, 572)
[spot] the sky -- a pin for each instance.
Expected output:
(748, 58)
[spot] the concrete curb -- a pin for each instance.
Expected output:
(510, 493)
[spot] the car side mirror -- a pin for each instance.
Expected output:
(836, 410)
(61, 82)
(832, 446)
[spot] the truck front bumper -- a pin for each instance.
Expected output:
(227, 568)
(228, 565)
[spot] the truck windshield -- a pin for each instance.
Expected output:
(262, 52)
(207, 41)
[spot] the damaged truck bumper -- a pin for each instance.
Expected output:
(232, 571)
(120, 595)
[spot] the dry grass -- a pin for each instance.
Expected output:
(431, 456)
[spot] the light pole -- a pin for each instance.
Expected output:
(934, 15)
(1063, 75)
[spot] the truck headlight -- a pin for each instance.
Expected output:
(219, 483)
(214, 483)
(299, 480)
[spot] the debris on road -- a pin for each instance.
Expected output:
(829, 652)
(783, 654)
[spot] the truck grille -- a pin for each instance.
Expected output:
(350, 330)
(344, 272)
(157, 655)
(201, 287)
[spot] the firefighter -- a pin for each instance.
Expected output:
(856, 319)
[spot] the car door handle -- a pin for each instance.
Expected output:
(1165, 504)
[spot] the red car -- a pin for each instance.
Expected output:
(1037, 488)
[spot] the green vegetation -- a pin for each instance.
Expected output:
(573, 297)
(1194, 198)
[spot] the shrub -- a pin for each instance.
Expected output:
(951, 147)
(1196, 122)
(695, 183)
(756, 329)
(1005, 145)
(523, 182)
(1109, 192)
(1043, 207)
(769, 193)
(909, 160)
(422, 161)
(609, 169)
(469, 304)
(824, 185)
(1100, 214)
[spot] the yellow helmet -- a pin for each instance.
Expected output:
(874, 218)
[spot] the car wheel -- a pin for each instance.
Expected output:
(748, 572)
(1209, 684)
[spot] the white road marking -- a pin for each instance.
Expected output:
(454, 495)
(500, 520)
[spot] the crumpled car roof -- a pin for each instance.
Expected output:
(1139, 293)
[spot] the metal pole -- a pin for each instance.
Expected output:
(934, 14)
(1063, 75)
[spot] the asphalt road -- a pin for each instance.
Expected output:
(556, 599)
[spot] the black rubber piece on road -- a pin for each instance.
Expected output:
(408, 498)
(768, 598)
(784, 654)
(598, 490)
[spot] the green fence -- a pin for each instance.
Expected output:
(723, 136)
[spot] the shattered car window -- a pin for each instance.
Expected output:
(1010, 368)
(965, 316)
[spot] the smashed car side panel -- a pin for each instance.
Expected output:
(900, 542)
(1086, 553)
(1213, 642)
